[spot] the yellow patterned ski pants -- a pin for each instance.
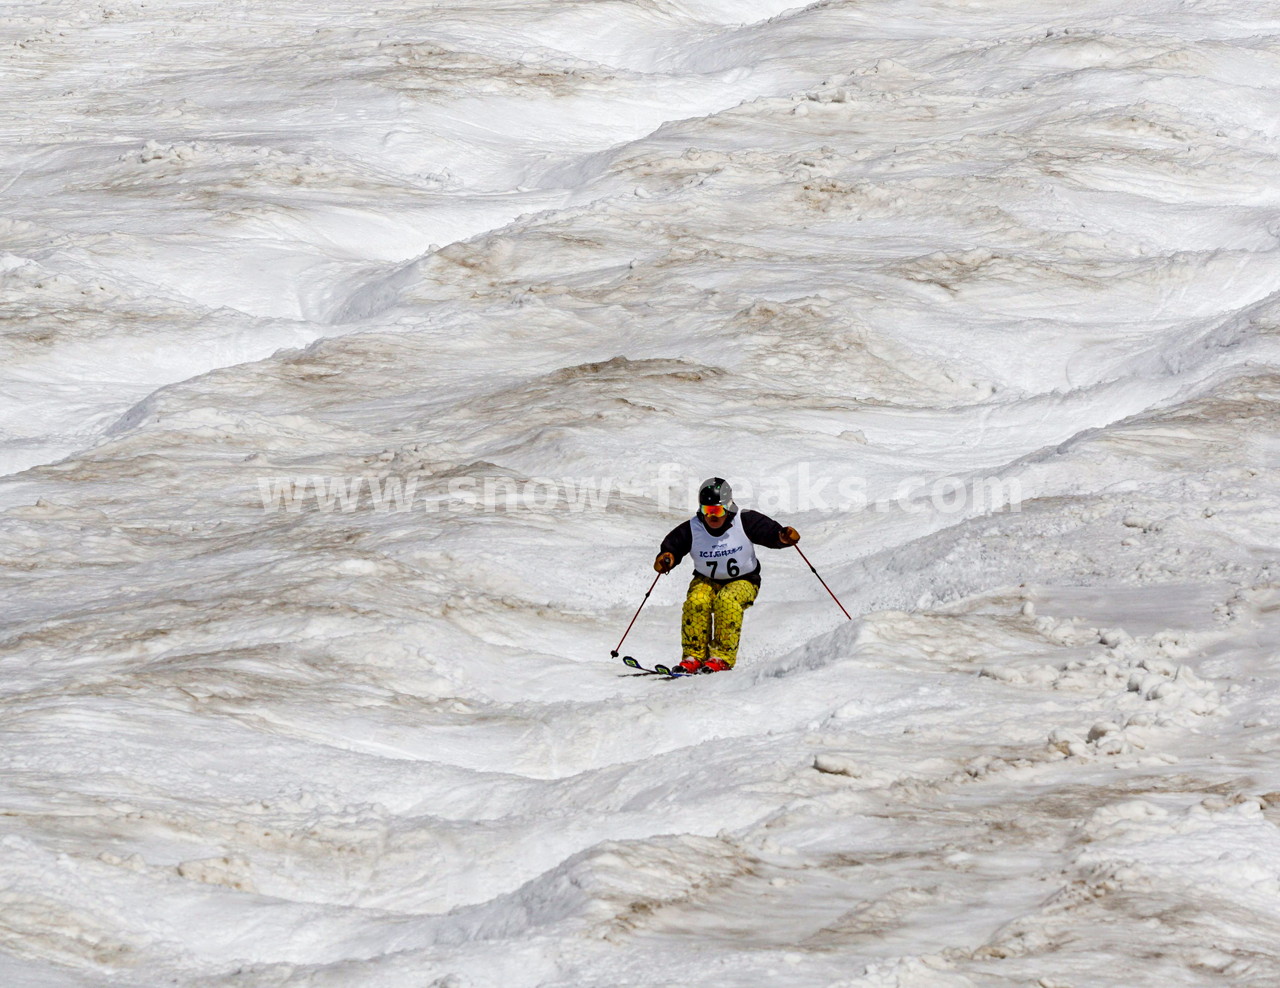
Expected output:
(712, 620)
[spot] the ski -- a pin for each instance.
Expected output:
(655, 671)
(634, 664)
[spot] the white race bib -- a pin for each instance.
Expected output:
(724, 556)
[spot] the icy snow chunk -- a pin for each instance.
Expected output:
(1114, 637)
(1143, 522)
(155, 151)
(984, 765)
(1068, 742)
(833, 764)
(1108, 819)
(1041, 675)
(232, 872)
(133, 862)
(1101, 730)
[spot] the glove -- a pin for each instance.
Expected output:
(664, 562)
(788, 536)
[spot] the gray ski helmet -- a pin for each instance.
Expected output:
(717, 491)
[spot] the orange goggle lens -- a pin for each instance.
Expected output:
(713, 510)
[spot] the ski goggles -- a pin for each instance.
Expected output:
(713, 510)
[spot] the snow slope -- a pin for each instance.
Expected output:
(846, 255)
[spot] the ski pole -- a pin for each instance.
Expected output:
(614, 653)
(822, 581)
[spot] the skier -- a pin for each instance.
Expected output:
(726, 573)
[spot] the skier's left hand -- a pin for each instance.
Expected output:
(788, 536)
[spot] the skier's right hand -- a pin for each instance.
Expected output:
(664, 562)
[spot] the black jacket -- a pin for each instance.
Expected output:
(759, 528)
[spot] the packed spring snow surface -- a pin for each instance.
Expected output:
(263, 729)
